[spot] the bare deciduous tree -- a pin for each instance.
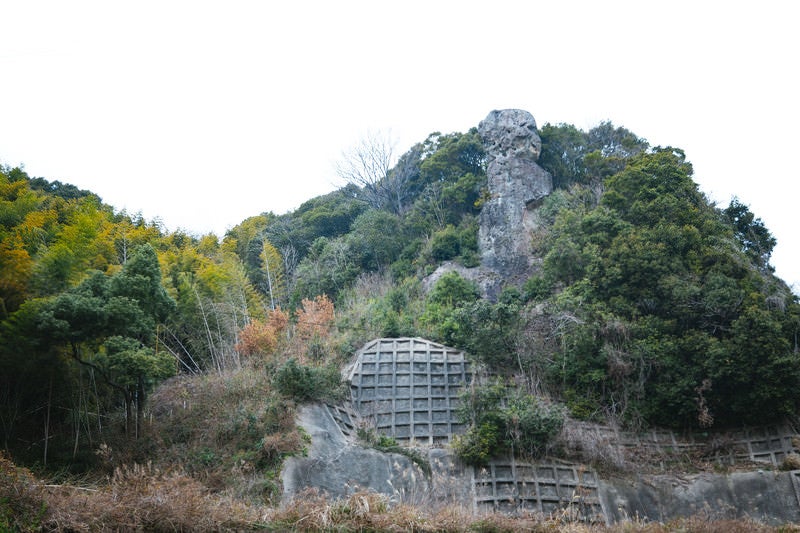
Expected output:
(368, 165)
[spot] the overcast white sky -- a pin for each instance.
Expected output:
(205, 113)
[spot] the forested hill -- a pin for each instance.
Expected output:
(649, 304)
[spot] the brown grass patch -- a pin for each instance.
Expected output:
(22, 503)
(144, 498)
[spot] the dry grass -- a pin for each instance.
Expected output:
(365, 511)
(589, 446)
(702, 525)
(791, 462)
(230, 431)
(217, 443)
(22, 498)
(143, 498)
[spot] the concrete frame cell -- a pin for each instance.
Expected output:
(408, 388)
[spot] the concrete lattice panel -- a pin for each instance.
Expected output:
(409, 388)
(763, 444)
(512, 486)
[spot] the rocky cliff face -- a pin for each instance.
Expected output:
(517, 184)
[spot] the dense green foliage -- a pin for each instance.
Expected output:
(501, 419)
(657, 294)
(304, 383)
(651, 306)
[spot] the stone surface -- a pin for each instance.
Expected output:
(767, 496)
(340, 467)
(517, 184)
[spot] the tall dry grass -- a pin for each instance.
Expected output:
(22, 498)
(144, 498)
(230, 431)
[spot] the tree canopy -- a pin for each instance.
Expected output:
(650, 305)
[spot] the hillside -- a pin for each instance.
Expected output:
(607, 289)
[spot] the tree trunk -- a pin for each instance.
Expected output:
(128, 414)
(47, 420)
(139, 405)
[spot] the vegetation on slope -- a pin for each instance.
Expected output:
(651, 306)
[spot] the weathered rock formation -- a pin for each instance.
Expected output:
(517, 184)
(338, 466)
(766, 496)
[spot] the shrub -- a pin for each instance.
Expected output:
(791, 462)
(445, 244)
(501, 420)
(144, 498)
(314, 318)
(22, 503)
(386, 444)
(453, 290)
(478, 444)
(256, 338)
(537, 288)
(307, 383)
(532, 424)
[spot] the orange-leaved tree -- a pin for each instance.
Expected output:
(314, 318)
(313, 326)
(262, 337)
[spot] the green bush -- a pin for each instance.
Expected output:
(307, 383)
(452, 290)
(537, 289)
(501, 419)
(445, 244)
(531, 424)
(478, 444)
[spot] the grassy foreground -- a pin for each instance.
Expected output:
(144, 498)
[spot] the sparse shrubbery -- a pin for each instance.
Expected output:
(791, 462)
(584, 444)
(145, 498)
(226, 430)
(383, 443)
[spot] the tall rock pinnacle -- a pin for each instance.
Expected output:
(516, 185)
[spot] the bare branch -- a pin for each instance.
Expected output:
(367, 166)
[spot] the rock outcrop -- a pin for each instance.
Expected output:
(517, 184)
(766, 496)
(338, 466)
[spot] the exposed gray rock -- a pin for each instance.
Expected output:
(517, 184)
(340, 467)
(510, 134)
(766, 496)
